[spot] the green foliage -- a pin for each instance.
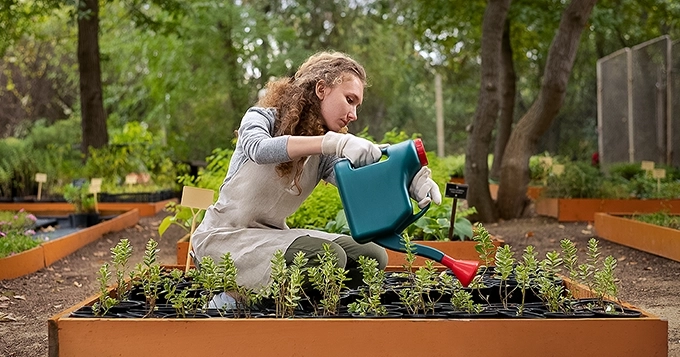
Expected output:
(661, 218)
(329, 279)
(16, 234)
(286, 284)
(133, 149)
(182, 217)
(148, 275)
(105, 302)
(503, 269)
(435, 224)
(120, 255)
(369, 303)
(80, 197)
(318, 209)
(579, 180)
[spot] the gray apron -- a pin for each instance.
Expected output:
(249, 219)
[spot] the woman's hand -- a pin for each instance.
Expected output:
(423, 189)
(360, 152)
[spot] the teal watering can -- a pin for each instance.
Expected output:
(378, 207)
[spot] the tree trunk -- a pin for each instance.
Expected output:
(515, 168)
(93, 119)
(477, 151)
(509, 89)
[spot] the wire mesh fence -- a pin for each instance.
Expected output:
(639, 103)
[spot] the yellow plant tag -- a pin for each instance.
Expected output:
(546, 161)
(648, 165)
(659, 173)
(194, 197)
(40, 177)
(558, 169)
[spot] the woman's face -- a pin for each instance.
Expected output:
(339, 104)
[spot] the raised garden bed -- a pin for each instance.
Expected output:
(53, 250)
(661, 241)
(146, 209)
(645, 335)
(584, 209)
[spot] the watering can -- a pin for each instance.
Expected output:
(378, 207)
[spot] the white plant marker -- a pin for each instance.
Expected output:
(648, 166)
(95, 188)
(40, 178)
(658, 174)
(199, 199)
(131, 179)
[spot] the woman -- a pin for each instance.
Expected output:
(286, 145)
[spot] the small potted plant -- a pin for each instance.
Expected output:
(84, 207)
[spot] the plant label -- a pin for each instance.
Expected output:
(659, 173)
(648, 165)
(456, 190)
(95, 185)
(194, 197)
(40, 177)
(131, 179)
(558, 169)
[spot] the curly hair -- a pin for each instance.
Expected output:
(298, 106)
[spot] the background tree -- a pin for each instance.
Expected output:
(525, 136)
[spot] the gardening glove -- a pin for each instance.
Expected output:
(360, 152)
(423, 189)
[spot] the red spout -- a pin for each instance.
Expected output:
(464, 270)
(420, 149)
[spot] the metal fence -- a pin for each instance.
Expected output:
(638, 115)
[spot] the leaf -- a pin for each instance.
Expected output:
(165, 224)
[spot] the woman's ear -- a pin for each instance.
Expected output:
(320, 89)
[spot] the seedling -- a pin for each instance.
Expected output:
(120, 254)
(605, 282)
(329, 279)
(286, 285)
(525, 273)
(369, 303)
(106, 302)
(551, 292)
(503, 270)
(148, 275)
(462, 301)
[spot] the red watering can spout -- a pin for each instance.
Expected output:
(464, 270)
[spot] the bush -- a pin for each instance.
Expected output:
(16, 234)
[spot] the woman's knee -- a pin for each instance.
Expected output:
(371, 250)
(313, 248)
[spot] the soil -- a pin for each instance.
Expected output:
(646, 281)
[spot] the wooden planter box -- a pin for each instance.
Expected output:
(533, 192)
(74, 337)
(51, 251)
(584, 209)
(647, 237)
(456, 249)
(146, 209)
